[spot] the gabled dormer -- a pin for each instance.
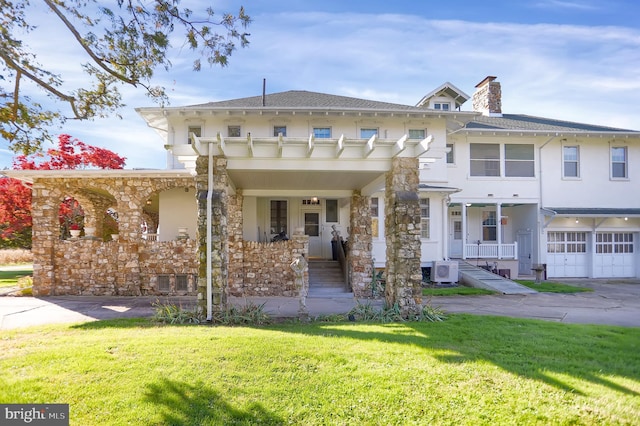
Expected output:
(447, 97)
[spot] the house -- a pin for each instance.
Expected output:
(404, 186)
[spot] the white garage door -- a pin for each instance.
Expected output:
(614, 255)
(567, 254)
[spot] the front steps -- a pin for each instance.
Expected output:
(326, 279)
(474, 276)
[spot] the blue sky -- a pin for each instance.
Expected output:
(576, 60)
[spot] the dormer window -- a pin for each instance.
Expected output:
(442, 106)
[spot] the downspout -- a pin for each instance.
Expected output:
(209, 227)
(541, 192)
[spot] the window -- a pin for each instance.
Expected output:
(164, 283)
(566, 242)
(417, 134)
(619, 162)
(196, 130)
(322, 132)
(278, 216)
(489, 226)
(367, 133)
(277, 130)
(331, 210)
(619, 242)
(233, 131)
(450, 157)
(485, 159)
(442, 106)
(182, 282)
(424, 218)
(570, 161)
(374, 217)
(518, 160)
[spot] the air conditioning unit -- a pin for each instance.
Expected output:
(444, 272)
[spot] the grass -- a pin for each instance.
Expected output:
(468, 370)
(454, 291)
(10, 278)
(552, 287)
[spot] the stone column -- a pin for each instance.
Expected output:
(219, 232)
(236, 244)
(402, 235)
(45, 234)
(360, 245)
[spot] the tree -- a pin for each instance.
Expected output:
(15, 197)
(124, 45)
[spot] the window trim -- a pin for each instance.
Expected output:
(369, 129)
(277, 134)
(488, 226)
(576, 161)
(425, 218)
(451, 152)
(423, 131)
(316, 136)
(501, 160)
(234, 126)
(286, 217)
(626, 162)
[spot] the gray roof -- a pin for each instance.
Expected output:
(531, 123)
(301, 99)
(572, 211)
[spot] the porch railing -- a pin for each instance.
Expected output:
(491, 251)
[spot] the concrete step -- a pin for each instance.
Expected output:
(326, 279)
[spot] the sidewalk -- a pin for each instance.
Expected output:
(614, 303)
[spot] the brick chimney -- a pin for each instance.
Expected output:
(487, 98)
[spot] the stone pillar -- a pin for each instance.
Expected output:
(236, 244)
(360, 245)
(128, 282)
(402, 235)
(219, 232)
(45, 234)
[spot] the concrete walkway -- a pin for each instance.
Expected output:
(612, 302)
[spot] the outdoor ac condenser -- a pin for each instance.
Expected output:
(444, 272)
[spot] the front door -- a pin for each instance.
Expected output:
(525, 248)
(455, 237)
(313, 229)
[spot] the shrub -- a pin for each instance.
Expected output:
(170, 313)
(250, 314)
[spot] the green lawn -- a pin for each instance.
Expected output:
(9, 278)
(468, 370)
(552, 287)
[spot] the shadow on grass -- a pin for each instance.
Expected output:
(185, 404)
(534, 349)
(117, 323)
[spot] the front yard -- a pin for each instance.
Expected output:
(466, 370)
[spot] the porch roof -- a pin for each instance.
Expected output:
(591, 212)
(30, 175)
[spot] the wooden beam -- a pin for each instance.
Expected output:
(423, 146)
(221, 143)
(280, 145)
(250, 144)
(370, 146)
(310, 146)
(399, 146)
(340, 146)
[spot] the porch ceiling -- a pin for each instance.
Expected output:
(307, 180)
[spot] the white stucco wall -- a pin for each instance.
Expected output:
(177, 209)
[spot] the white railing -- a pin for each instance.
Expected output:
(491, 251)
(150, 237)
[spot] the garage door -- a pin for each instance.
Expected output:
(567, 254)
(614, 255)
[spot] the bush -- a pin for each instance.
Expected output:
(250, 314)
(15, 256)
(170, 313)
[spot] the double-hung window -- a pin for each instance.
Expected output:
(450, 156)
(442, 106)
(489, 226)
(518, 160)
(485, 159)
(375, 211)
(424, 218)
(570, 162)
(619, 162)
(278, 216)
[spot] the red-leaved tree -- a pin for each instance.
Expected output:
(15, 196)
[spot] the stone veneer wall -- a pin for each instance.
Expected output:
(90, 267)
(488, 98)
(93, 266)
(402, 235)
(267, 270)
(360, 246)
